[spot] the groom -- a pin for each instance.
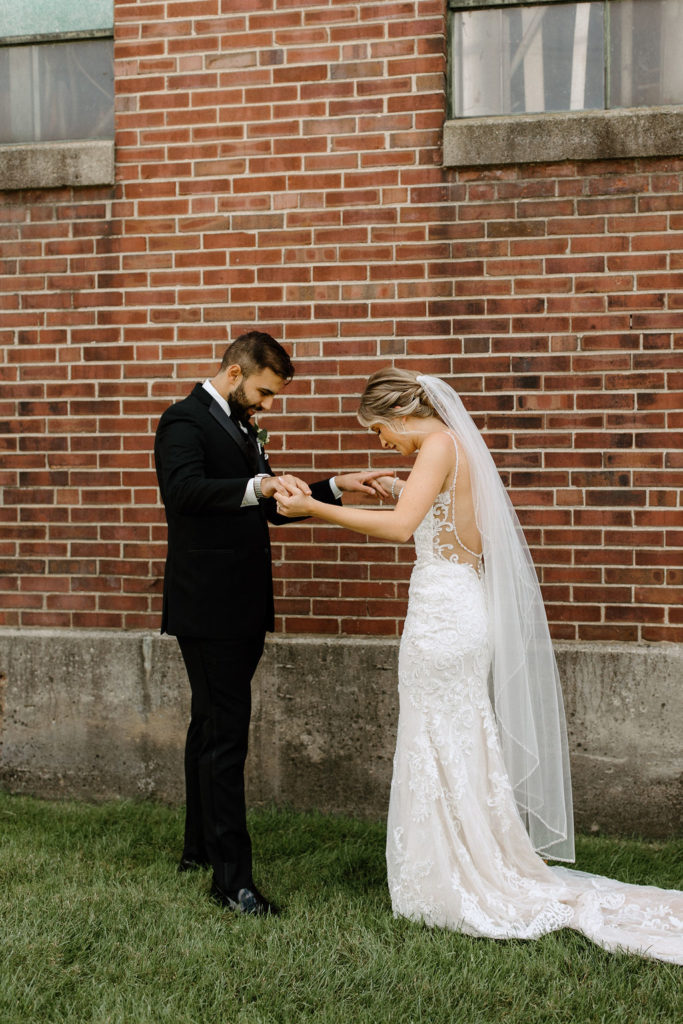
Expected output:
(217, 488)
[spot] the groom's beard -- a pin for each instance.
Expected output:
(239, 404)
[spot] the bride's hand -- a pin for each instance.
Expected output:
(293, 505)
(391, 486)
(367, 481)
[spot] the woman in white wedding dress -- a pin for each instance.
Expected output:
(480, 792)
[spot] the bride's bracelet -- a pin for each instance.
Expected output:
(393, 487)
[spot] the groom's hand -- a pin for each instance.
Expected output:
(366, 482)
(286, 485)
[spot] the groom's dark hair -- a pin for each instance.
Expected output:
(256, 351)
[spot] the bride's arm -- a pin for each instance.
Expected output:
(432, 466)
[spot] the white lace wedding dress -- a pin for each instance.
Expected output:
(458, 854)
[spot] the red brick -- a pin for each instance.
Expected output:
(357, 249)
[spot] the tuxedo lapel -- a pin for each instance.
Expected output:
(238, 436)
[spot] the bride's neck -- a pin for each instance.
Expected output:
(420, 426)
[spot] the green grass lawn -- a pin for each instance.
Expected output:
(97, 926)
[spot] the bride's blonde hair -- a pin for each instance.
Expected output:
(390, 393)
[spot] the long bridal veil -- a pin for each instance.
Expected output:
(524, 682)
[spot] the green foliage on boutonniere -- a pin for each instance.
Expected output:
(261, 435)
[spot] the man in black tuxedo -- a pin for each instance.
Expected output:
(217, 488)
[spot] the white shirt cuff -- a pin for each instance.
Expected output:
(333, 487)
(249, 495)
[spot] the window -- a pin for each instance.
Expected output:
(56, 70)
(566, 56)
(613, 68)
(56, 93)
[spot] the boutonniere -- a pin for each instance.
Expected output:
(261, 435)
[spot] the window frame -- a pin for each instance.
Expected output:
(58, 37)
(552, 137)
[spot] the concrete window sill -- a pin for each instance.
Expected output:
(54, 164)
(578, 135)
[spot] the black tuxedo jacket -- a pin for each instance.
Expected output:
(218, 579)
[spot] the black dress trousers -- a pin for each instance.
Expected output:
(220, 674)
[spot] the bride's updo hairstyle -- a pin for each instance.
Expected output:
(390, 393)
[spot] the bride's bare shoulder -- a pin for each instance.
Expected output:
(437, 456)
(439, 443)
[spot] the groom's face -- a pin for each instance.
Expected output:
(251, 394)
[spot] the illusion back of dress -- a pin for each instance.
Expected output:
(438, 537)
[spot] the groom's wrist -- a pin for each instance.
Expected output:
(335, 488)
(258, 492)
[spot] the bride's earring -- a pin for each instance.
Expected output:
(400, 427)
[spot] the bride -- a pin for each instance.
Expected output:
(480, 793)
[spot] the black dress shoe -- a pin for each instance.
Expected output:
(188, 864)
(244, 901)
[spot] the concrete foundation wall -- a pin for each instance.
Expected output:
(97, 715)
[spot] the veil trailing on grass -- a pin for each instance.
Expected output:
(524, 682)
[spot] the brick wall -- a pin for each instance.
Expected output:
(279, 164)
